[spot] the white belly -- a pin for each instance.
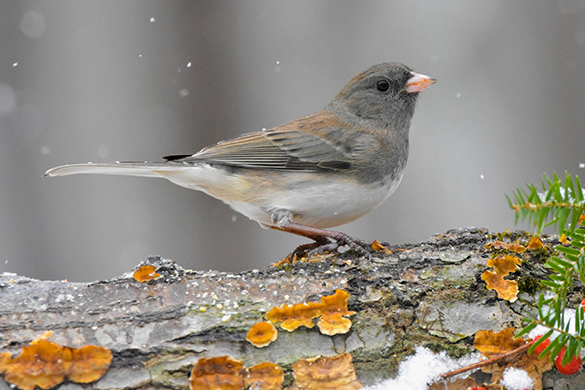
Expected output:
(320, 204)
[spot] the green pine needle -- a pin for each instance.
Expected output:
(560, 203)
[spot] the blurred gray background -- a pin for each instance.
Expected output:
(136, 80)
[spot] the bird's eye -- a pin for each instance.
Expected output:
(382, 85)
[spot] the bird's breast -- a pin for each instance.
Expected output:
(329, 203)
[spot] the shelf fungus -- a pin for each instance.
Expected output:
(262, 334)
(225, 373)
(145, 273)
(503, 265)
(45, 364)
(331, 313)
(328, 372)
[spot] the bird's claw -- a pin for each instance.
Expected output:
(330, 245)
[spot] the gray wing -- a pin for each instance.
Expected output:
(287, 147)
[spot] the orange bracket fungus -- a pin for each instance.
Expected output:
(330, 311)
(262, 334)
(332, 321)
(145, 273)
(325, 373)
(516, 247)
(499, 245)
(221, 373)
(496, 245)
(503, 265)
(89, 363)
(535, 243)
(378, 247)
(491, 344)
(265, 376)
(295, 316)
(225, 373)
(45, 364)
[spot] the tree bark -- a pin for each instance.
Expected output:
(430, 294)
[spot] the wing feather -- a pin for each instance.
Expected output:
(316, 142)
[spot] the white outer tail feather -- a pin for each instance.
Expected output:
(145, 169)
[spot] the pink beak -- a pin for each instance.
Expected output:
(418, 82)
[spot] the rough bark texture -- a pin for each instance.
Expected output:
(430, 294)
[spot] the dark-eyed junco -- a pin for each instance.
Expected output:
(323, 170)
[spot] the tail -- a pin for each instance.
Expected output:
(126, 168)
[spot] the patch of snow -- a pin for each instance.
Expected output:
(421, 369)
(515, 379)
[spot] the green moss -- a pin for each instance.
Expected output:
(454, 350)
(541, 255)
(511, 236)
(385, 360)
(158, 366)
(529, 285)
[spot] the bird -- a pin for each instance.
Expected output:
(311, 174)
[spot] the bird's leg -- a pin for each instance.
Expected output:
(325, 240)
(301, 250)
